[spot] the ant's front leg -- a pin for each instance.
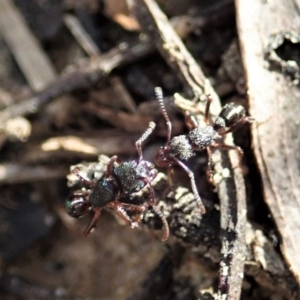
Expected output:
(190, 121)
(87, 181)
(110, 165)
(193, 184)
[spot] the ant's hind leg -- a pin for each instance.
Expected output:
(229, 147)
(193, 184)
(92, 224)
(242, 122)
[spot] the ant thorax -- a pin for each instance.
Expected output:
(202, 137)
(184, 147)
(134, 175)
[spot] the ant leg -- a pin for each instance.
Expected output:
(193, 183)
(206, 114)
(160, 98)
(229, 147)
(133, 207)
(209, 172)
(190, 121)
(144, 136)
(110, 165)
(123, 214)
(93, 222)
(166, 231)
(239, 124)
(139, 208)
(170, 181)
(87, 181)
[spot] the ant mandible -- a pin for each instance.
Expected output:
(120, 179)
(183, 147)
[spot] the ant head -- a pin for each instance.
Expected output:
(162, 157)
(77, 204)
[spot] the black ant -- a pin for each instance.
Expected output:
(183, 147)
(120, 179)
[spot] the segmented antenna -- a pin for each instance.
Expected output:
(160, 98)
(144, 136)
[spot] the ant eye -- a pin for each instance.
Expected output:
(77, 207)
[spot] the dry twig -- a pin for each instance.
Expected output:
(85, 75)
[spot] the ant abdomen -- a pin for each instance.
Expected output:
(77, 204)
(230, 115)
(104, 192)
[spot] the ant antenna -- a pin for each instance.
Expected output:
(144, 136)
(160, 98)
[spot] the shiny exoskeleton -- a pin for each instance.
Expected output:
(120, 179)
(183, 147)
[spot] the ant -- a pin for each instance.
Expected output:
(120, 179)
(183, 147)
